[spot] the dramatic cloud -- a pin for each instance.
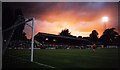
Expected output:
(79, 17)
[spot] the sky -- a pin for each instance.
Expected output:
(79, 17)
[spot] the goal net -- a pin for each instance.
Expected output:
(15, 51)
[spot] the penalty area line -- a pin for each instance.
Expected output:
(43, 64)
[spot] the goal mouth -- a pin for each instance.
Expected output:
(11, 43)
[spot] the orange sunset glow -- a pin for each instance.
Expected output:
(79, 18)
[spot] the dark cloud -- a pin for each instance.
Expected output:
(75, 12)
(42, 8)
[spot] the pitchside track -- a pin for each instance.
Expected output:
(61, 58)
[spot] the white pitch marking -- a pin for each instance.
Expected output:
(43, 64)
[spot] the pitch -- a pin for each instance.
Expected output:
(62, 58)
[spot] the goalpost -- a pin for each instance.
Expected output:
(18, 24)
(32, 44)
(32, 38)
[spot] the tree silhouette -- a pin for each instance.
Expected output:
(10, 16)
(109, 37)
(118, 41)
(65, 32)
(19, 34)
(94, 36)
(79, 36)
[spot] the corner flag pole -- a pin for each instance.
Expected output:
(32, 44)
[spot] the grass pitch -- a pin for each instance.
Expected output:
(62, 58)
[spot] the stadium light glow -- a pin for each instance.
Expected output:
(105, 19)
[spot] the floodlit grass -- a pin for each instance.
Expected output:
(71, 58)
